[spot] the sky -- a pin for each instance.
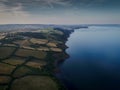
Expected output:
(59, 11)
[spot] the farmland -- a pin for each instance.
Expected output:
(38, 41)
(14, 61)
(6, 69)
(4, 79)
(29, 57)
(5, 52)
(33, 53)
(34, 83)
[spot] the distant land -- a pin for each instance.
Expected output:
(9, 27)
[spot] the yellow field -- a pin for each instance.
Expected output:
(56, 49)
(34, 83)
(14, 61)
(34, 53)
(18, 42)
(6, 51)
(52, 44)
(36, 64)
(27, 47)
(1, 37)
(22, 42)
(38, 41)
(25, 43)
(43, 49)
(4, 79)
(5, 68)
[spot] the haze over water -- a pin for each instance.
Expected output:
(94, 62)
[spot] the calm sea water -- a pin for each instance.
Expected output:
(94, 62)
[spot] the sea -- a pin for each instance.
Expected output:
(94, 62)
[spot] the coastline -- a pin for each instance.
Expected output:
(60, 58)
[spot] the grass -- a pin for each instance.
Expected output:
(3, 87)
(6, 52)
(21, 71)
(6, 69)
(10, 45)
(33, 53)
(56, 32)
(34, 83)
(4, 79)
(14, 61)
(51, 30)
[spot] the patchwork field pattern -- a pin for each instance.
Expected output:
(27, 59)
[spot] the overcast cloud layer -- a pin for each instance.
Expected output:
(59, 11)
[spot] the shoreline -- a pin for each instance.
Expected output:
(65, 55)
(59, 60)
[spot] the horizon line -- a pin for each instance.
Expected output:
(59, 24)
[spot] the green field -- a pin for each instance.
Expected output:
(4, 79)
(6, 69)
(33, 53)
(3, 87)
(34, 83)
(6, 52)
(21, 71)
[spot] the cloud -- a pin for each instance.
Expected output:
(14, 14)
(88, 3)
(3, 0)
(14, 10)
(37, 3)
(51, 3)
(53, 11)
